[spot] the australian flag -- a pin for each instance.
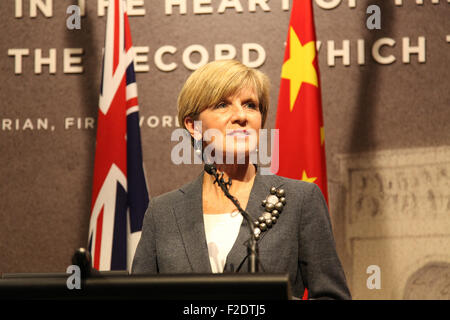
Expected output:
(119, 195)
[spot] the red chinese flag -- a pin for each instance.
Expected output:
(301, 149)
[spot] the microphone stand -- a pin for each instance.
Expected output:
(252, 247)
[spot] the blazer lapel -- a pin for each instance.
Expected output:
(189, 215)
(260, 190)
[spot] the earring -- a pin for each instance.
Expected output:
(198, 147)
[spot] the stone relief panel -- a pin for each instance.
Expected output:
(397, 204)
(400, 193)
(429, 282)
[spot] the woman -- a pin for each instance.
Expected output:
(197, 229)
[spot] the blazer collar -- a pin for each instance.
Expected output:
(189, 215)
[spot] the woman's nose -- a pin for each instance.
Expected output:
(239, 114)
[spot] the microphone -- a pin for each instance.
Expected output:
(82, 258)
(252, 247)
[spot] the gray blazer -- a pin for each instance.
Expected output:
(301, 243)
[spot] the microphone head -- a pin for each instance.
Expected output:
(82, 258)
(210, 168)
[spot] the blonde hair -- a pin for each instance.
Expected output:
(216, 81)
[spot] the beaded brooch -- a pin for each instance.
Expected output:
(273, 204)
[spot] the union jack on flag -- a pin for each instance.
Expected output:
(119, 195)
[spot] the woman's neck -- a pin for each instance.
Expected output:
(237, 172)
(242, 176)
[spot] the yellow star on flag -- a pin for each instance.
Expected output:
(299, 68)
(305, 177)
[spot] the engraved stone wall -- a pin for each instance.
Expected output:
(430, 282)
(397, 215)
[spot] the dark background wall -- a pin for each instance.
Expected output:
(370, 108)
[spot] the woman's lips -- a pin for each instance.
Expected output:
(237, 133)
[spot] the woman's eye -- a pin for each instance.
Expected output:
(252, 105)
(220, 105)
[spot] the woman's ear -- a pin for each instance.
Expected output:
(189, 124)
(192, 127)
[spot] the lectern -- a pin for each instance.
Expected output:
(120, 285)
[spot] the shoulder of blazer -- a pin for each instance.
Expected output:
(287, 182)
(177, 195)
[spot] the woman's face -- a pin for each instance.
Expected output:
(232, 126)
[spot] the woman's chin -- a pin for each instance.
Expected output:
(236, 156)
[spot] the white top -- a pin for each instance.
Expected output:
(221, 233)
